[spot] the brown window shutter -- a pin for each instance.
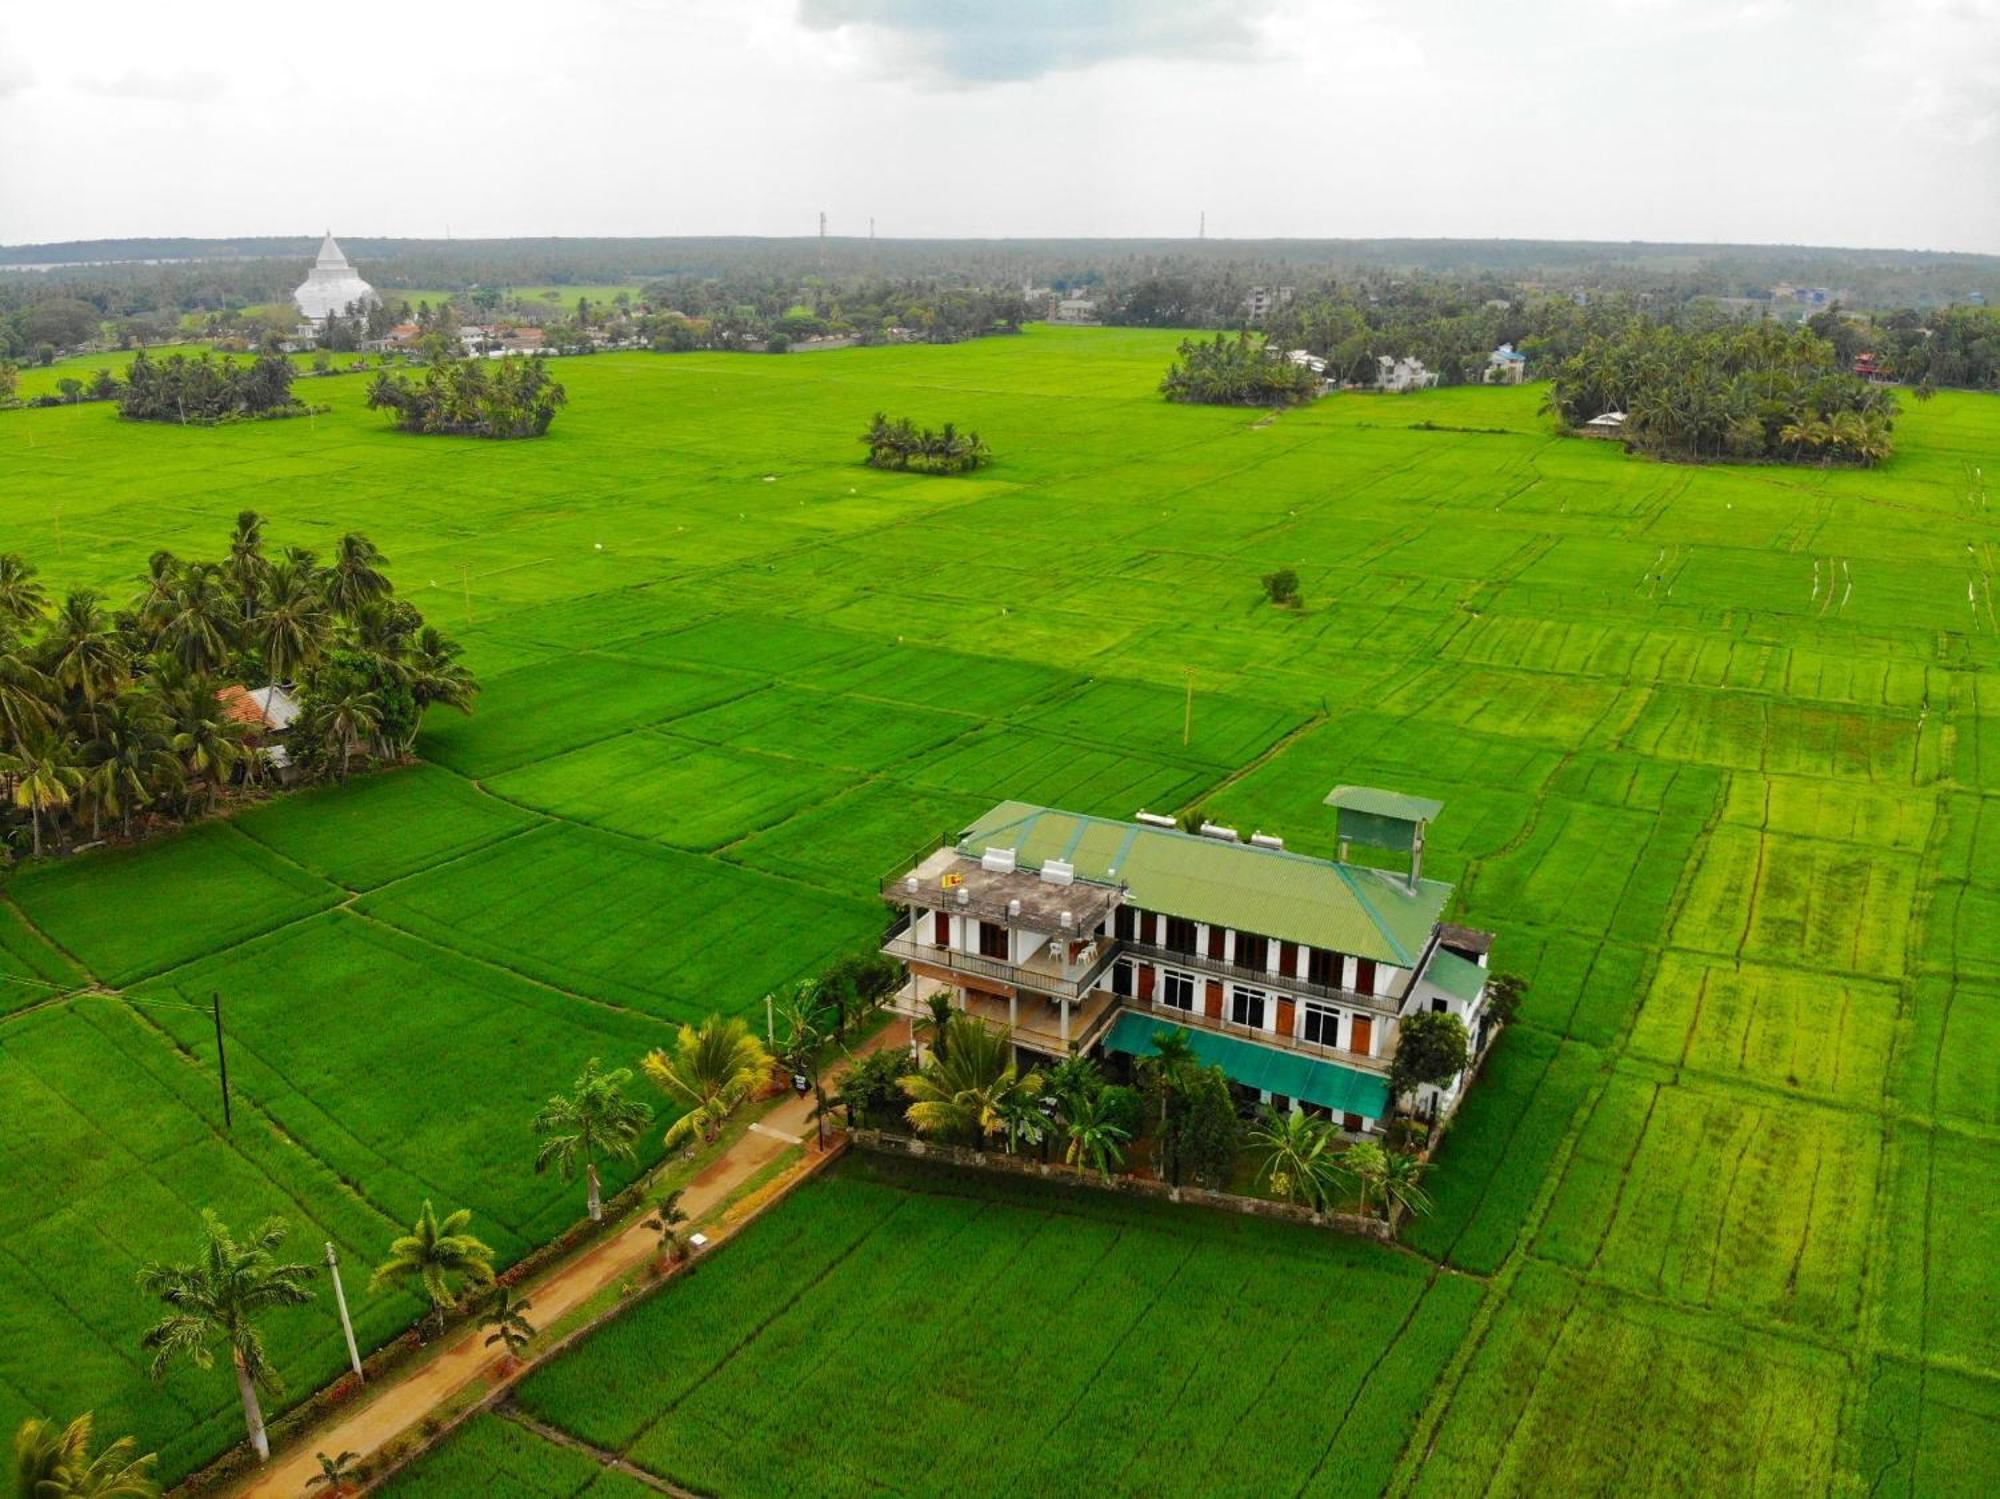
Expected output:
(1363, 1034)
(1149, 929)
(1288, 959)
(1287, 1016)
(1146, 976)
(941, 928)
(1351, 1123)
(1217, 936)
(1364, 975)
(1212, 1000)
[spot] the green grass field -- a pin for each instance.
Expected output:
(1718, 747)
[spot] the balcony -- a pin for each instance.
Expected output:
(1039, 975)
(1257, 978)
(1195, 1020)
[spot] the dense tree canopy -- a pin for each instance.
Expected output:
(206, 390)
(901, 444)
(1238, 371)
(113, 716)
(473, 397)
(1757, 391)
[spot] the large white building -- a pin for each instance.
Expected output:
(1292, 973)
(332, 286)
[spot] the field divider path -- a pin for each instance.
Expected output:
(393, 1409)
(507, 1410)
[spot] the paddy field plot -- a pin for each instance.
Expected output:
(1736, 825)
(983, 1372)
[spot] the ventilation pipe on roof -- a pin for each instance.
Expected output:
(1416, 856)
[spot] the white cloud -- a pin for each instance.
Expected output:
(975, 42)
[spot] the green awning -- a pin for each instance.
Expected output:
(1345, 1090)
(1379, 803)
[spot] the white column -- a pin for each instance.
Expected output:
(1013, 1010)
(1065, 1021)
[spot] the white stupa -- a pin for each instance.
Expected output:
(332, 285)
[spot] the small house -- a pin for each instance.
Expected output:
(1398, 376)
(1506, 365)
(267, 715)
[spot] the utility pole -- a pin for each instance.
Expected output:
(770, 1023)
(221, 1057)
(340, 1298)
(1203, 234)
(1187, 718)
(822, 240)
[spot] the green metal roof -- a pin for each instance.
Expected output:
(1379, 803)
(1288, 1074)
(1454, 975)
(1371, 913)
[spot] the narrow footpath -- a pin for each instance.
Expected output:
(401, 1404)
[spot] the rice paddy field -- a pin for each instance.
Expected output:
(1718, 748)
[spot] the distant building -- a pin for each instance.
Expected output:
(1506, 365)
(1610, 424)
(332, 286)
(1075, 310)
(1262, 300)
(1306, 359)
(1869, 367)
(1400, 375)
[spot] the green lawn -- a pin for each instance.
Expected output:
(1719, 749)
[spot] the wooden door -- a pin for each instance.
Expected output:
(1212, 1000)
(1146, 975)
(941, 929)
(1288, 959)
(1364, 975)
(1287, 1017)
(1363, 1036)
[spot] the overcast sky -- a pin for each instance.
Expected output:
(1844, 122)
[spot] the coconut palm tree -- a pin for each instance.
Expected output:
(595, 1118)
(336, 1473)
(215, 1300)
(1162, 1068)
(1399, 1180)
(1300, 1161)
(45, 777)
(344, 716)
(198, 619)
(26, 705)
(129, 757)
(1368, 1164)
(247, 566)
(290, 627)
(438, 1256)
(968, 1085)
(52, 1462)
(355, 579)
(1095, 1140)
(712, 1068)
(85, 656)
(208, 741)
(1074, 1079)
(23, 601)
(666, 1221)
(508, 1317)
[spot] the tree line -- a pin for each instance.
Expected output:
(514, 397)
(901, 444)
(1750, 391)
(109, 715)
(1241, 371)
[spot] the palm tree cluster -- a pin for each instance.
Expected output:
(1303, 1162)
(512, 397)
(205, 390)
(901, 444)
(971, 1090)
(108, 714)
(1758, 391)
(1238, 371)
